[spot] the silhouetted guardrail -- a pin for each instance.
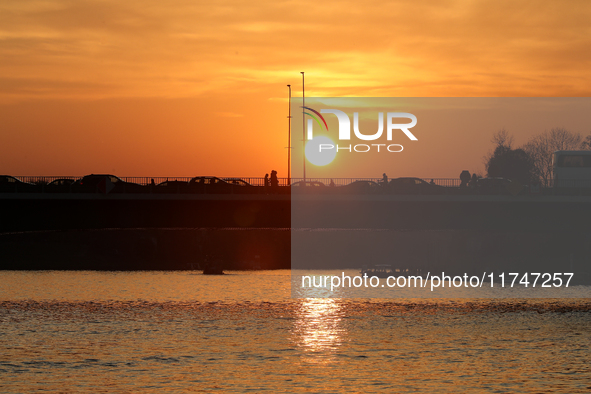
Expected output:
(254, 181)
(259, 185)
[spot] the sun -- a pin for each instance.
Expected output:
(320, 155)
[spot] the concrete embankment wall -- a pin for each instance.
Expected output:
(94, 211)
(145, 249)
(177, 232)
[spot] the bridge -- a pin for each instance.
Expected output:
(303, 208)
(45, 229)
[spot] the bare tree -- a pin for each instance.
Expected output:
(540, 149)
(506, 162)
(586, 144)
(502, 138)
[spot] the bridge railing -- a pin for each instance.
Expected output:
(446, 182)
(254, 181)
(447, 185)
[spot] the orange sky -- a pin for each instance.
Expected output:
(186, 88)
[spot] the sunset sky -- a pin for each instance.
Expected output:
(187, 88)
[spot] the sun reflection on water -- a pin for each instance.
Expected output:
(318, 328)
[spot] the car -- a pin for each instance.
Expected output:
(310, 187)
(408, 185)
(207, 180)
(209, 184)
(11, 184)
(60, 185)
(361, 186)
(240, 185)
(105, 183)
(237, 182)
(308, 184)
(173, 186)
(496, 185)
(61, 182)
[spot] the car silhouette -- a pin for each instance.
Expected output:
(105, 183)
(60, 185)
(209, 184)
(408, 185)
(308, 184)
(61, 182)
(362, 186)
(497, 185)
(237, 182)
(240, 185)
(311, 187)
(173, 186)
(11, 184)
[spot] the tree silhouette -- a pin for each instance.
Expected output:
(514, 164)
(586, 144)
(502, 138)
(541, 147)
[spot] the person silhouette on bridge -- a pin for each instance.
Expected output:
(465, 178)
(274, 180)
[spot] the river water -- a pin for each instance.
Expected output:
(155, 332)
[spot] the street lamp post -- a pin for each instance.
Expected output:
(289, 139)
(304, 125)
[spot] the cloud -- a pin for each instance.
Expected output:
(92, 49)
